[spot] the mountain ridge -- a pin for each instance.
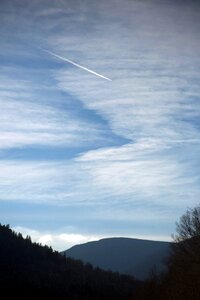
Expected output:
(131, 256)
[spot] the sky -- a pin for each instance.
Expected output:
(99, 117)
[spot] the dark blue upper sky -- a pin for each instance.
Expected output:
(83, 157)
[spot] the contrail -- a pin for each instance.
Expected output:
(75, 64)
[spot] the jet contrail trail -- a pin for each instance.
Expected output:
(75, 64)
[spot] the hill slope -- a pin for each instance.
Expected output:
(127, 256)
(31, 270)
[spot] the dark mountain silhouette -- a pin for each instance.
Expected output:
(31, 271)
(124, 255)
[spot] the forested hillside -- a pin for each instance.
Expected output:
(29, 269)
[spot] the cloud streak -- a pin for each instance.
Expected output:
(77, 65)
(28, 121)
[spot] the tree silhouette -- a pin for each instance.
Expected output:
(189, 225)
(184, 261)
(182, 279)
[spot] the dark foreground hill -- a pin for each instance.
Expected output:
(127, 256)
(31, 271)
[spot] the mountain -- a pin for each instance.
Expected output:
(29, 270)
(124, 255)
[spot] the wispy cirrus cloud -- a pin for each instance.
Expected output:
(154, 90)
(152, 100)
(40, 182)
(27, 124)
(98, 179)
(151, 107)
(26, 120)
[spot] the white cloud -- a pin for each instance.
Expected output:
(58, 240)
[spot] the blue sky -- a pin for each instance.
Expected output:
(81, 157)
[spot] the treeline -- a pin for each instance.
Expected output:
(29, 270)
(182, 280)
